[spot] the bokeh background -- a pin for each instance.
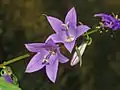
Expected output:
(21, 21)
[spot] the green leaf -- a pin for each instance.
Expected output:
(7, 86)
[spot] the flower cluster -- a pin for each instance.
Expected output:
(109, 21)
(48, 54)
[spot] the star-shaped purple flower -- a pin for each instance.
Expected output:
(67, 32)
(109, 21)
(48, 54)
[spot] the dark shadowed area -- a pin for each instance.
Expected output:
(21, 21)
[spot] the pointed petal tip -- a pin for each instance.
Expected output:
(86, 27)
(53, 81)
(26, 46)
(71, 64)
(51, 71)
(55, 23)
(61, 58)
(71, 18)
(64, 61)
(74, 60)
(44, 15)
(94, 15)
(98, 15)
(83, 28)
(69, 46)
(29, 48)
(27, 71)
(69, 49)
(73, 8)
(48, 17)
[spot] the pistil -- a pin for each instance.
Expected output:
(69, 38)
(46, 58)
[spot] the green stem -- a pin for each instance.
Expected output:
(90, 32)
(14, 60)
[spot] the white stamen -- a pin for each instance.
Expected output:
(69, 39)
(52, 52)
(66, 26)
(45, 60)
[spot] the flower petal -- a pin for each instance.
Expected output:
(35, 63)
(71, 17)
(55, 38)
(69, 45)
(116, 25)
(34, 47)
(55, 23)
(72, 32)
(105, 17)
(62, 58)
(51, 71)
(81, 29)
(8, 78)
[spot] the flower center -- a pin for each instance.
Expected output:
(69, 37)
(47, 57)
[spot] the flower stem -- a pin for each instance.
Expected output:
(14, 60)
(88, 33)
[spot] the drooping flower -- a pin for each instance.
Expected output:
(67, 32)
(48, 55)
(109, 21)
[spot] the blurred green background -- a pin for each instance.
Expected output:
(21, 21)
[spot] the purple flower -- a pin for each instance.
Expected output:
(8, 78)
(109, 21)
(67, 32)
(48, 54)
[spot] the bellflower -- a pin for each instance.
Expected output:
(109, 21)
(67, 32)
(48, 55)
